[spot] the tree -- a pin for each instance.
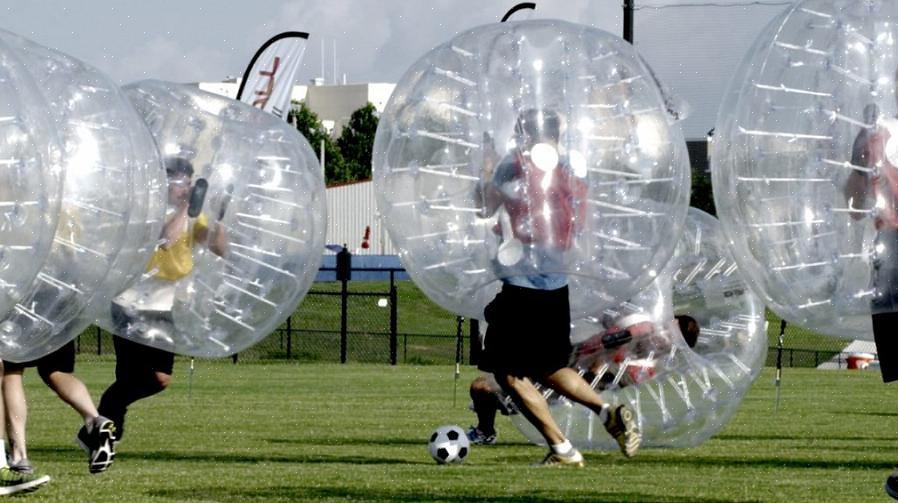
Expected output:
(307, 122)
(356, 142)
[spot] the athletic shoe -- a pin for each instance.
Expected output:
(573, 458)
(621, 424)
(892, 485)
(478, 437)
(98, 444)
(13, 482)
(21, 466)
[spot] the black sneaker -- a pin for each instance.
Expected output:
(21, 466)
(892, 485)
(98, 443)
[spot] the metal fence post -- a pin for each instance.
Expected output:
(344, 273)
(393, 314)
(344, 305)
(99, 341)
(474, 341)
(289, 337)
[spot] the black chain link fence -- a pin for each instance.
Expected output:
(391, 321)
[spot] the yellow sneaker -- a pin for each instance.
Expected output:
(621, 424)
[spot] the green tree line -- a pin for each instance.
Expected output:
(347, 158)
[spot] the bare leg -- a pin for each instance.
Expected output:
(533, 406)
(572, 385)
(485, 406)
(16, 413)
(73, 392)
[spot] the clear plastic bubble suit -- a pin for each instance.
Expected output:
(100, 134)
(30, 181)
(227, 276)
(682, 395)
(804, 164)
(567, 126)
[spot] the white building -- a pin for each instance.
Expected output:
(333, 104)
(351, 210)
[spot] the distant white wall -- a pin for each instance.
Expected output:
(350, 208)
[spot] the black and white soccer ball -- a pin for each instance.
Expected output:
(449, 444)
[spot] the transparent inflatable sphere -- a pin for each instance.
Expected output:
(682, 353)
(522, 148)
(243, 230)
(30, 180)
(99, 130)
(804, 170)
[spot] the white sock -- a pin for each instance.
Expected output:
(3, 461)
(562, 448)
(603, 415)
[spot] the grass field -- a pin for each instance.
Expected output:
(326, 432)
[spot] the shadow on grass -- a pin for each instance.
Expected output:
(804, 438)
(367, 441)
(648, 457)
(764, 462)
(877, 414)
(290, 493)
(50, 454)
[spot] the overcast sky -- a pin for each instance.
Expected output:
(693, 49)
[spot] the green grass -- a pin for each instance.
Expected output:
(326, 432)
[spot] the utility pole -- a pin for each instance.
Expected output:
(628, 20)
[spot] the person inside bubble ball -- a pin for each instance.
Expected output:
(540, 204)
(875, 156)
(874, 148)
(628, 351)
(56, 369)
(488, 400)
(140, 370)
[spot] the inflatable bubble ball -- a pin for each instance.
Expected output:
(530, 149)
(243, 231)
(30, 180)
(106, 153)
(804, 165)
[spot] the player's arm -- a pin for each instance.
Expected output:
(174, 228)
(216, 238)
(857, 187)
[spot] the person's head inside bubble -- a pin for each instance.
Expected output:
(179, 172)
(534, 126)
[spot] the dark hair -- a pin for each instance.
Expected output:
(689, 328)
(178, 165)
(538, 124)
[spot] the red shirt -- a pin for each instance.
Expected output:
(545, 212)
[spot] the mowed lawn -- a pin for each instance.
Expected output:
(326, 432)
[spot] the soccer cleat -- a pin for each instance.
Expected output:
(98, 443)
(12, 481)
(621, 424)
(573, 458)
(892, 485)
(21, 466)
(478, 437)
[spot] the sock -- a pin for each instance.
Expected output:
(3, 460)
(603, 415)
(562, 449)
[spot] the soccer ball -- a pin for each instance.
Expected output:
(449, 444)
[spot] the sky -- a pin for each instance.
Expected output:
(693, 49)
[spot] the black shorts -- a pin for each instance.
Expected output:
(528, 333)
(885, 272)
(61, 360)
(133, 358)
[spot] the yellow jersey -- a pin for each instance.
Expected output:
(177, 261)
